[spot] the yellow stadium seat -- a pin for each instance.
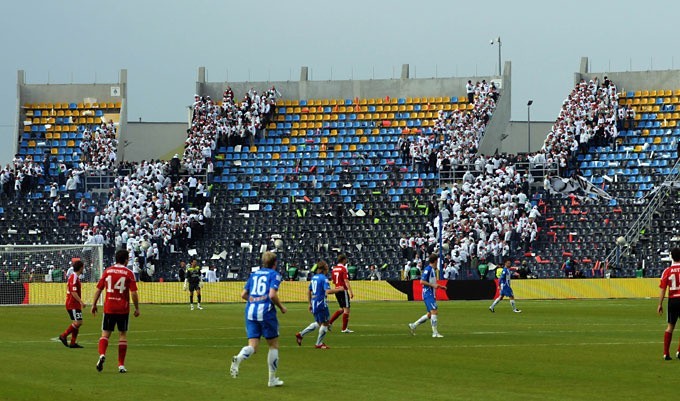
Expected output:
(409, 100)
(27, 128)
(657, 140)
(353, 148)
(118, 105)
(322, 155)
(363, 139)
(54, 151)
(68, 113)
(324, 102)
(60, 113)
(275, 156)
(337, 148)
(95, 105)
(371, 101)
(362, 102)
(71, 143)
(652, 93)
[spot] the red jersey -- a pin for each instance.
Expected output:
(670, 278)
(340, 276)
(73, 287)
(117, 281)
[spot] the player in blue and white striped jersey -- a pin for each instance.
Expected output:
(261, 295)
(504, 287)
(319, 288)
(429, 282)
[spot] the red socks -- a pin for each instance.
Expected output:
(122, 350)
(103, 344)
(335, 316)
(74, 335)
(667, 342)
(68, 331)
(345, 321)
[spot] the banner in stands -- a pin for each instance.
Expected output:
(577, 186)
(296, 291)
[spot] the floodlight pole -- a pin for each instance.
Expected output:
(494, 41)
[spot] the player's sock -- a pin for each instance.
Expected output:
(68, 331)
(191, 299)
(74, 335)
(495, 302)
(122, 350)
(433, 322)
(322, 334)
(309, 328)
(422, 320)
(199, 299)
(273, 362)
(103, 344)
(245, 353)
(345, 320)
(335, 316)
(512, 303)
(667, 337)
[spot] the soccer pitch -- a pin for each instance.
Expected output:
(554, 350)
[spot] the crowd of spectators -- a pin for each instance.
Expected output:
(589, 116)
(488, 215)
(153, 207)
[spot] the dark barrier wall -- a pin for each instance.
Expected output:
(455, 290)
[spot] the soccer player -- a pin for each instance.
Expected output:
(670, 278)
(74, 306)
(341, 279)
(319, 288)
(429, 282)
(119, 283)
(261, 295)
(505, 290)
(193, 275)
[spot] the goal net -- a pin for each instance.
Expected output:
(36, 274)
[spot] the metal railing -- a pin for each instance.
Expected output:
(538, 171)
(644, 220)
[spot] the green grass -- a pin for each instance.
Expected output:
(554, 350)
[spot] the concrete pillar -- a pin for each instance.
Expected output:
(404, 71)
(122, 80)
(304, 74)
(200, 81)
(583, 69)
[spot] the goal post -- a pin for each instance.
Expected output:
(36, 274)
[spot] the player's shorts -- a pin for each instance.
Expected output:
(267, 328)
(321, 314)
(75, 314)
(430, 303)
(343, 299)
(113, 320)
(194, 286)
(506, 291)
(673, 312)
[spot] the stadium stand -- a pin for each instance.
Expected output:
(629, 159)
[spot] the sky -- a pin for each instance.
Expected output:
(162, 44)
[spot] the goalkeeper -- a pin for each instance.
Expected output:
(193, 281)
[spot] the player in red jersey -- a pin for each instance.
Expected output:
(670, 278)
(341, 279)
(119, 283)
(74, 306)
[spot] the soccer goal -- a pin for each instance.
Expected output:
(36, 274)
